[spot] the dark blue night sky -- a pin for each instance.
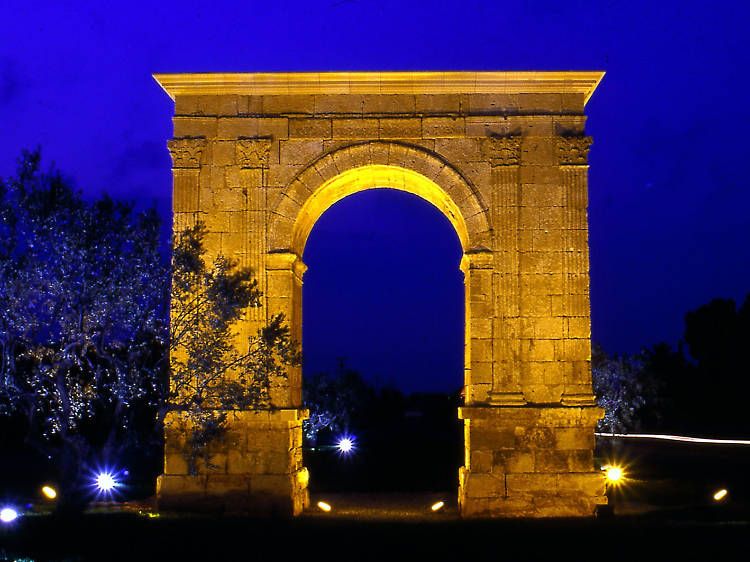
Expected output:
(669, 200)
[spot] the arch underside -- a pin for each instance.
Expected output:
(370, 166)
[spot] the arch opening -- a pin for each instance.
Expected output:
(374, 176)
(384, 293)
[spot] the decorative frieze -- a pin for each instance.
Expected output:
(502, 151)
(573, 151)
(253, 152)
(187, 152)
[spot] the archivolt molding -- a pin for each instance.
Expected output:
(369, 165)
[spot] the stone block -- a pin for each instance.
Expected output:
(481, 373)
(195, 127)
(551, 461)
(388, 103)
(443, 127)
(358, 128)
(234, 127)
(514, 461)
(540, 103)
(249, 105)
(288, 104)
(171, 484)
(536, 125)
(310, 128)
(590, 483)
(300, 151)
(577, 349)
(530, 482)
(480, 485)
(275, 128)
(481, 126)
(481, 350)
(541, 195)
(273, 484)
(571, 103)
(460, 150)
(175, 463)
(540, 262)
(339, 104)
(186, 105)
(578, 328)
(437, 103)
(490, 103)
(222, 484)
(399, 128)
(535, 305)
(481, 461)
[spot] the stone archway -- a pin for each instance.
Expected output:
(259, 158)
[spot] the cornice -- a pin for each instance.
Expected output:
(574, 82)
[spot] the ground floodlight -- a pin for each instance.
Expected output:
(720, 494)
(49, 492)
(8, 515)
(105, 482)
(614, 474)
(323, 506)
(437, 506)
(346, 444)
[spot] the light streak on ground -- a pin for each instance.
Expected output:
(682, 438)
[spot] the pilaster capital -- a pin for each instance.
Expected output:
(286, 261)
(573, 151)
(187, 152)
(502, 151)
(253, 152)
(481, 259)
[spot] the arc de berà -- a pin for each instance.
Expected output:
(259, 157)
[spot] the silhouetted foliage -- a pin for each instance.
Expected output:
(334, 401)
(718, 339)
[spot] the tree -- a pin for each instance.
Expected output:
(717, 336)
(333, 400)
(619, 389)
(210, 375)
(85, 330)
(82, 318)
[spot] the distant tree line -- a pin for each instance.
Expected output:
(701, 387)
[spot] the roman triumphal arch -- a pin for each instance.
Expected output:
(259, 157)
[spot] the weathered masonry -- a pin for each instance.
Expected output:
(260, 157)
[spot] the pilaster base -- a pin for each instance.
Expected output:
(530, 461)
(257, 467)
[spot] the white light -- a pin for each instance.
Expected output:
(614, 474)
(49, 492)
(323, 506)
(720, 495)
(677, 438)
(437, 506)
(105, 482)
(8, 514)
(346, 444)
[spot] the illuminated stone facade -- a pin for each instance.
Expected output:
(259, 158)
